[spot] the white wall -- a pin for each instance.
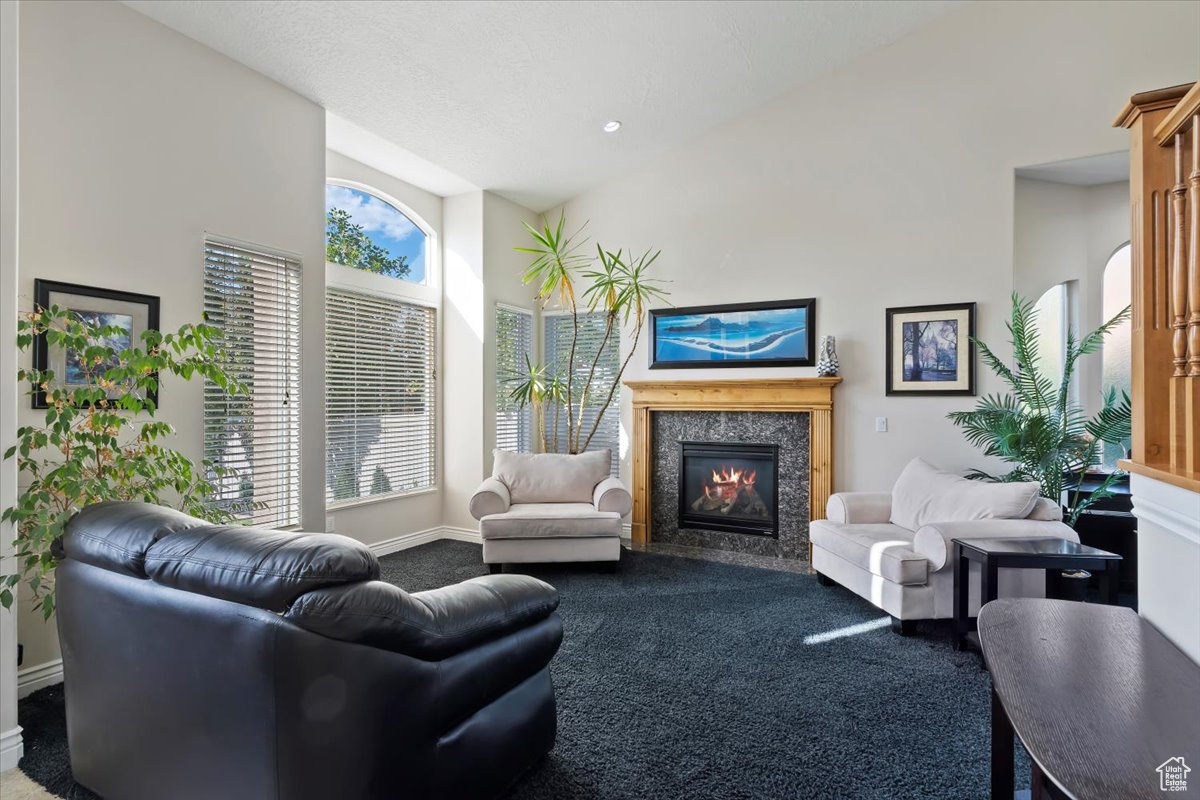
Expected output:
(1169, 560)
(374, 521)
(1067, 233)
(11, 747)
(890, 183)
(135, 142)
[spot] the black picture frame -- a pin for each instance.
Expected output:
(807, 304)
(44, 295)
(965, 387)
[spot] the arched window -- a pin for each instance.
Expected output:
(1116, 363)
(368, 233)
(1052, 323)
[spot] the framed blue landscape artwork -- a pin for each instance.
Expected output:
(929, 349)
(777, 333)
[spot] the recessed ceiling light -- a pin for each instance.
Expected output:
(612, 126)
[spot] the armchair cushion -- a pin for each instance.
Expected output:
(431, 625)
(611, 495)
(925, 494)
(551, 477)
(935, 541)
(866, 507)
(491, 497)
(882, 549)
(551, 521)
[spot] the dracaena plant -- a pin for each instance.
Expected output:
(615, 284)
(1035, 426)
(100, 438)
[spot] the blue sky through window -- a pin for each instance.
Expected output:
(386, 226)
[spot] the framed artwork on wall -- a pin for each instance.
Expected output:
(131, 313)
(777, 333)
(929, 349)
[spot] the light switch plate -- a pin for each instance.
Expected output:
(881, 424)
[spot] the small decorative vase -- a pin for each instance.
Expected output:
(827, 360)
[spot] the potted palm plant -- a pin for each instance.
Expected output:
(1038, 429)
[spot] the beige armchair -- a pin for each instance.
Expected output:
(547, 507)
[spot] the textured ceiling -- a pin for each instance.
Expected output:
(511, 96)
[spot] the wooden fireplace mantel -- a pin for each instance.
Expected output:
(814, 395)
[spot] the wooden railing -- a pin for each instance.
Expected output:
(1165, 200)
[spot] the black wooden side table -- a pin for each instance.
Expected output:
(1041, 553)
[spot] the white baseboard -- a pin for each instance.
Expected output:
(39, 676)
(407, 540)
(12, 747)
(461, 534)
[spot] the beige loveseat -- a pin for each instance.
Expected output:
(548, 507)
(894, 548)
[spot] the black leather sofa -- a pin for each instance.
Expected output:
(206, 662)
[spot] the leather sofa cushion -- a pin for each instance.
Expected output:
(925, 494)
(881, 549)
(429, 625)
(267, 569)
(549, 521)
(551, 477)
(116, 535)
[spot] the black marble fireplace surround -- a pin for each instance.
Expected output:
(788, 430)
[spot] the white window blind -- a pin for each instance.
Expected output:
(514, 342)
(380, 396)
(558, 332)
(253, 296)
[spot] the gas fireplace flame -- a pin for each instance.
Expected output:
(730, 489)
(737, 478)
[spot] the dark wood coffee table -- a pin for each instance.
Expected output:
(1106, 705)
(1037, 553)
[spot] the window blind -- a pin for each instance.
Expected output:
(380, 396)
(557, 341)
(514, 341)
(253, 296)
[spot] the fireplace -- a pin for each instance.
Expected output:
(730, 487)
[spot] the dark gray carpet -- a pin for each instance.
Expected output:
(681, 678)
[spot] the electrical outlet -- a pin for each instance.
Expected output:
(881, 424)
(329, 524)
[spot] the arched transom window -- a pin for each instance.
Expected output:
(365, 232)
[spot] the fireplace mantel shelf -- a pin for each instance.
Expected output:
(813, 395)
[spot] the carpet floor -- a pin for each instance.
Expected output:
(684, 678)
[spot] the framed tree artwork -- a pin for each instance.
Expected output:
(929, 349)
(126, 314)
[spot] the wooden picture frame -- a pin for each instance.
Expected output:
(944, 348)
(786, 326)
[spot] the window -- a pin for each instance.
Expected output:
(1052, 324)
(558, 330)
(380, 395)
(253, 296)
(364, 232)
(514, 343)
(1115, 360)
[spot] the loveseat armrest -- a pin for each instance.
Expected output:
(492, 497)
(611, 495)
(433, 625)
(935, 541)
(859, 507)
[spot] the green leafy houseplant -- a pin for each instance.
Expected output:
(1036, 426)
(616, 285)
(100, 439)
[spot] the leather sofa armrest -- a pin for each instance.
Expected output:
(859, 507)
(611, 495)
(492, 497)
(431, 626)
(935, 541)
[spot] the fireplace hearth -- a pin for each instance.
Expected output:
(729, 486)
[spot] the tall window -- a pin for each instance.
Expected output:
(365, 232)
(558, 330)
(380, 396)
(253, 296)
(1052, 324)
(514, 343)
(1116, 363)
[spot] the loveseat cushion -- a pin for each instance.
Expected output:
(925, 494)
(429, 625)
(881, 549)
(116, 535)
(549, 521)
(551, 477)
(267, 569)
